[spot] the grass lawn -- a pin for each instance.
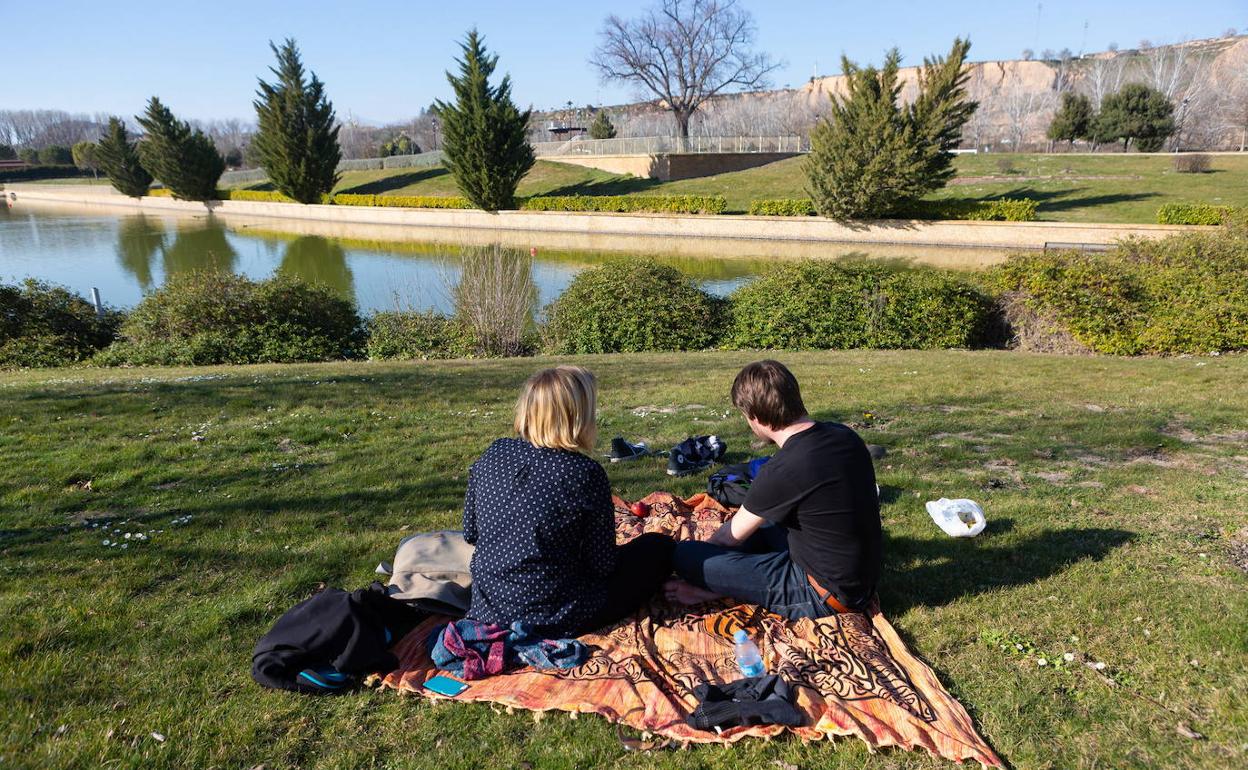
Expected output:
(1069, 187)
(1115, 488)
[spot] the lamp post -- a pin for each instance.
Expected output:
(434, 122)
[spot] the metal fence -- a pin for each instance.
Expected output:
(423, 160)
(654, 145)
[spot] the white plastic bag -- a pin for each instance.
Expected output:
(959, 518)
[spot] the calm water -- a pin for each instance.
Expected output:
(126, 255)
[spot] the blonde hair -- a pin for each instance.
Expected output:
(557, 407)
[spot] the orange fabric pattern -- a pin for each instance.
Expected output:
(852, 673)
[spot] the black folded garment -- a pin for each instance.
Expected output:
(324, 644)
(758, 700)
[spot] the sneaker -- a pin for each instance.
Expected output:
(622, 451)
(695, 454)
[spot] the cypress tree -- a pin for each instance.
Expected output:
(602, 127)
(296, 140)
(870, 157)
(119, 159)
(184, 160)
(485, 137)
(1073, 119)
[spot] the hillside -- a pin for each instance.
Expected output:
(1017, 97)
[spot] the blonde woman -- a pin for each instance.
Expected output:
(539, 511)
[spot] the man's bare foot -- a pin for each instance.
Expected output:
(682, 592)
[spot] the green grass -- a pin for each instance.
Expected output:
(1115, 489)
(1135, 187)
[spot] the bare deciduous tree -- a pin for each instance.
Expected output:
(684, 52)
(1104, 77)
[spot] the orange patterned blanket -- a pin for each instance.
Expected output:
(852, 674)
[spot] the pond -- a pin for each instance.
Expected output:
(126, 255)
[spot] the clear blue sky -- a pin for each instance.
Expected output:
(382, 60)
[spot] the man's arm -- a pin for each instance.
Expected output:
(738, 529)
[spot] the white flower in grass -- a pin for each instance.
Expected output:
(108, 542)
(1042, 662)
(1068, 656)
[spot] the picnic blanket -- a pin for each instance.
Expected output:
(852, 673)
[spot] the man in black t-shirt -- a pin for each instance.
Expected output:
(807, 540)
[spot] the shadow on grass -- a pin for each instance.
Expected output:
(933, 572)
(396, 182)
(617, 186)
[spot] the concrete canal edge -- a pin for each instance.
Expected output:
(948, 243)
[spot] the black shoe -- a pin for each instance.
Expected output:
(695, 454)
(622, 451)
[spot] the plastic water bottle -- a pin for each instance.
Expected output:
(748, 659)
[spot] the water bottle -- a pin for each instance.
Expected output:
(748, 659)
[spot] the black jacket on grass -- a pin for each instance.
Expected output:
(324, 643)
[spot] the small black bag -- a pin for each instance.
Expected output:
(730, 484)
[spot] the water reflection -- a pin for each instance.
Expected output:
(138, 239)
(200, 246)
(317, 260)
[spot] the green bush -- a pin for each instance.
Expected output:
(1192, 214)
(44, 325)
(1183, 294)
(783, 207)
(632, 305)
(652, 204)
(411, 335)
(1001, 210)
(259, 196)
(402, 201)
(828, 305)
(218, 317)
(36, 173)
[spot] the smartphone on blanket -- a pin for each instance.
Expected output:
(444, 685)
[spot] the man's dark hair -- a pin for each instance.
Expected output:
(768, 392)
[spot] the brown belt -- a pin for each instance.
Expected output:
(828, 598)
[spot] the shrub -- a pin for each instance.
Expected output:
(56, 155)
(1192, 163)
(1004, 209)
(1192, 214)
(632, 305)
(218, 317)
(653, 204)
(1183, 294)
(402, 201)
(44, 325)
(495, 297)
(35, 173)
(999, 210)
(783, 207)
(259, 196)
(828, 305)
(408, 335)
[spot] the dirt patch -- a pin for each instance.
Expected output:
(1053, 477)
(1239, 550)
(1033, 332)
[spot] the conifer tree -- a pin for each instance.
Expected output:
(485, 137)
(119, 159)
(870, 157)
(1137, 112)
(296, 140)
(602, 127)
(184, 160)
(1073, 119)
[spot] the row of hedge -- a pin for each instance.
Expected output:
(1195, 214)
(1184, 294)
(1000, 210)
(37, 173)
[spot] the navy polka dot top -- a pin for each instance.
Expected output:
(543, 524)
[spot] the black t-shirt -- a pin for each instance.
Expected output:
(821, 487)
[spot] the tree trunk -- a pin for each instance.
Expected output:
(682, 122)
